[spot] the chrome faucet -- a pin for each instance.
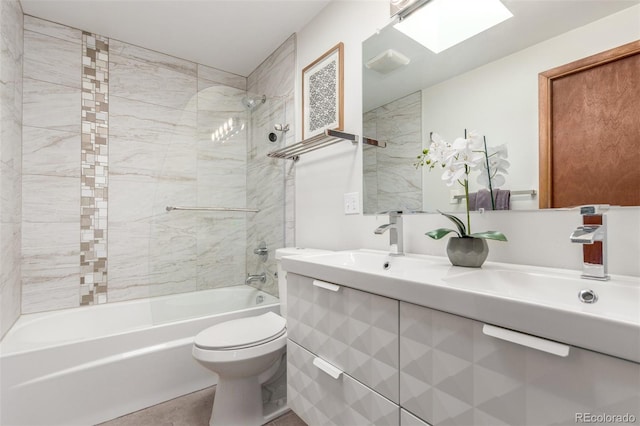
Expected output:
(593, 237)
(260, 277)
(395, 233)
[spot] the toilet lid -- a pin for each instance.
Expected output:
(242, 332)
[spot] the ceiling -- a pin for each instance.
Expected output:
(231, 35)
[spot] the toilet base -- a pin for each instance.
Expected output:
(238, 401)
(271, 397)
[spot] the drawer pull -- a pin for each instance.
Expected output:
(526, 340)
(326, 286)
(327, 368)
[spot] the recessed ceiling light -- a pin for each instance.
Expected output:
(441, 24)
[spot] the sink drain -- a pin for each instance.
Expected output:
(588, 296)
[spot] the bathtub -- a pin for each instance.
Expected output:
(86, 365)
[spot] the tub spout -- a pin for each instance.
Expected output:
(260, 277)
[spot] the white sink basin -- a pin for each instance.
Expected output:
(373, 261)
(539, 301)
(614, 298)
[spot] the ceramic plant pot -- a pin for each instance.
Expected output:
(467, 251)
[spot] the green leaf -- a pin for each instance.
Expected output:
(440, 232)
(459, 224)
(490, 235)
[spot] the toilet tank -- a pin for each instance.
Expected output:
(282, 274)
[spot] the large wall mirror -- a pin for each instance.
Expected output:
(488, 83)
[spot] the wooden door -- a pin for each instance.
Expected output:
(589, 113)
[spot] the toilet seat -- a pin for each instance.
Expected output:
(242, 333)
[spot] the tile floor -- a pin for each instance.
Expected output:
(189, 410)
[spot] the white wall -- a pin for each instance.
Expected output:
(322, 177)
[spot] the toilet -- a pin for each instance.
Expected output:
(245, 353)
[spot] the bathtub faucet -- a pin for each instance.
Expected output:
(260, 277)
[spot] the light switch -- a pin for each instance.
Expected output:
(352, 203)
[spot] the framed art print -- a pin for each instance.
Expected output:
(323, 93)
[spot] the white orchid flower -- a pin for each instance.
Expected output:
(453, 174)
(497, 164)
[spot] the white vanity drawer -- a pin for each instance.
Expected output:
(354, 330)
(322, 395)
(454, 371)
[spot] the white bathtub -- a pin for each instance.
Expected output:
(87, 365)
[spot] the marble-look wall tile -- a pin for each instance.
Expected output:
(224, 78)
(139, 198)
(152, 81)
(274, 224)
(50, 267)
(221, 180)
(276, 75)
(128, 260)
(221, 260)
(153, 257)
(173, 251)
(52, 29)
(52, 60)
(50, 199)
(391, 181)
(10, 274)
(50, 152)
(221, 170)
(124, 50)
(146, 122)
(162, 154)
(151, 251)
(151, 140)
(51, 106)
(10, 192)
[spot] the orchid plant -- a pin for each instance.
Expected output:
(458, 160)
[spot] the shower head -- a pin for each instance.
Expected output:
(251, 102)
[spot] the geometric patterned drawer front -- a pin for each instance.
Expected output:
(354, 330)
(320, 399)
(451, 373)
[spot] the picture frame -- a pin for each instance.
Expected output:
(323, 93)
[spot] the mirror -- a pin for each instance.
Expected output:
(488, 83)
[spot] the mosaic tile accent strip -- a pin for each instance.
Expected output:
(95, 169)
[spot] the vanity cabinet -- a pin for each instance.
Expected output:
(353, 330)
(356, 358)
(343, 360)
(453, 371)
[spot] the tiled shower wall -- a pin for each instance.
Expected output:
(390, 180)
(88, 175)
(270, 182)
(11, 42)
